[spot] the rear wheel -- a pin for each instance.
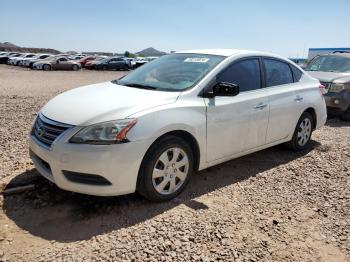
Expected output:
(46, 67)
(166, 169)
(302, 133)
(104, 68)
(75, 67)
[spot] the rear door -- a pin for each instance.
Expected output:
(239, 123)
(284, 100)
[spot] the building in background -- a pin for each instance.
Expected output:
(321, 51)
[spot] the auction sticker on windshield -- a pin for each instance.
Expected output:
(196, 60)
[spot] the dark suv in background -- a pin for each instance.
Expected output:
(333, 71)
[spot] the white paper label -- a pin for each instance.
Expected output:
(196, 60)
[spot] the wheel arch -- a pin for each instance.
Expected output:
(312, 112)
(188, 138)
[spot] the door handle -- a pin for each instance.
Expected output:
(260, 106)
(298, 99)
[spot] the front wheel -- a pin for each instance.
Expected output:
(46, 67)
(166, 169)
(302, 133)
(75, 67)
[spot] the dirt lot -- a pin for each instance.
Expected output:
(274, 205)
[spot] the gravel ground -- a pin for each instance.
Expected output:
(274, 205)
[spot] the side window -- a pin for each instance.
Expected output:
(245, 73)
(296, 73)
(62, 59)
(277, 73)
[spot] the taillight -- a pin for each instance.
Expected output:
(323, 89)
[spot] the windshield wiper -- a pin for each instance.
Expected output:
(140, 86)
(134, 85)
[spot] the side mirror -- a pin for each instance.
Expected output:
(223, 89)
(57, 61)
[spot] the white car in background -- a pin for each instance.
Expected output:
(183, 112)
(16, 60)
(29, 61)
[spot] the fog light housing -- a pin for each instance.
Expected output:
(336, 101)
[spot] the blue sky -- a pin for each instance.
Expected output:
(284, 27)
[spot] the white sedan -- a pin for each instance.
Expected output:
(183, 112)
(16, 60)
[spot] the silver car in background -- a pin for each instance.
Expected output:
(333, 71)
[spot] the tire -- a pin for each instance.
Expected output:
(104, 68)
(126, 68)
(346, 115)
(75, 67)
(160, 177)
(46, 67)
(31, 65)
(302, 133)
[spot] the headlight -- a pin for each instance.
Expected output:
(338, 87)
(104, 133)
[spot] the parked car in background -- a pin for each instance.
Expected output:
(16, 60)
(28, 62)
(333, 71)
(76, 57)
(91, 63)
(139, 61)
(57, 63)
(86, 59)
(131, 60)
(5, 57)
(113, 63)
(150, 130)
(21, 61)
(143, 60)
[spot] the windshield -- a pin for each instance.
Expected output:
(330, 63)
(173, 72)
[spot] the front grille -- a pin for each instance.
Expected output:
(46, 130)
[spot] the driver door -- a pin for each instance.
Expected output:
(238, 123)
(61, 63)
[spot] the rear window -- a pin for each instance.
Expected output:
(296, 73)
(277, 73)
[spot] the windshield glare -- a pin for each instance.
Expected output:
(330, 63)
(173, 72)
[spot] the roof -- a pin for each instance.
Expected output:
(222, 52)
(226, 52)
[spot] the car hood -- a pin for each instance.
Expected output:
(103, 102)
(330, 76)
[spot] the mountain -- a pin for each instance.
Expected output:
(9, 47)
(151, 52)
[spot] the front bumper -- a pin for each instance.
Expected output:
(338, 103)
(118, 163)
